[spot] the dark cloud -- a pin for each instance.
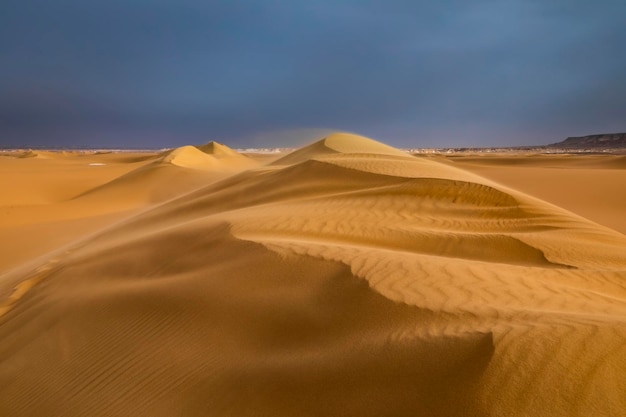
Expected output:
(158, 72)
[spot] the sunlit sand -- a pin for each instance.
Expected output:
(347, 278)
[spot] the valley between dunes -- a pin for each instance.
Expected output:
(347, 278)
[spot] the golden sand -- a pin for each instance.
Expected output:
(345, 279)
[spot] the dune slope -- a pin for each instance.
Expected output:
(345, 279)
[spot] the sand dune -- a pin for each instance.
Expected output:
(589, 185)
(210, 156)
(346, 278)
(220, 151)
(172, 173)
(42, 154)
(339, 143)
(61, 199)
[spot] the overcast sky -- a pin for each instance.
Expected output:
(155, 73)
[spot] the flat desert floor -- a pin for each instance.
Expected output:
(347, 278)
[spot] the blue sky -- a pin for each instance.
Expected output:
(154, 73)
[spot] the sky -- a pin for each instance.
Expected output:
(410, 73)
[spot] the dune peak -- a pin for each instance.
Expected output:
(217, 149)
(351, 143)
(340, 143)
(186, 156)
(211, 156)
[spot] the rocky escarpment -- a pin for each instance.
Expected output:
(604, 140)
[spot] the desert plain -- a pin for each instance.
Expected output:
(346, 278)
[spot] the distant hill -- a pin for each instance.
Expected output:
(604, 140)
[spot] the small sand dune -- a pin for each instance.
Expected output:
(41, 154)
(173, 173)
(211, 156)
(62, 199)
(347, 278)
(219, 150)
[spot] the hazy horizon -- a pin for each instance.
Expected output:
(137, 74)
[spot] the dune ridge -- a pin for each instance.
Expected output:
(346, 278)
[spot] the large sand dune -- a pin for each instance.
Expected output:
(346, 278)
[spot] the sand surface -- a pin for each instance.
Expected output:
(346, 278)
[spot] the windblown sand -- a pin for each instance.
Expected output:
(347, 278)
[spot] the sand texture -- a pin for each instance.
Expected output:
(347, 278)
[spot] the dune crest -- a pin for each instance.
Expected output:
(188, 157)
(347, 278)
(339, 143)
(219, 150)
(211, 156)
